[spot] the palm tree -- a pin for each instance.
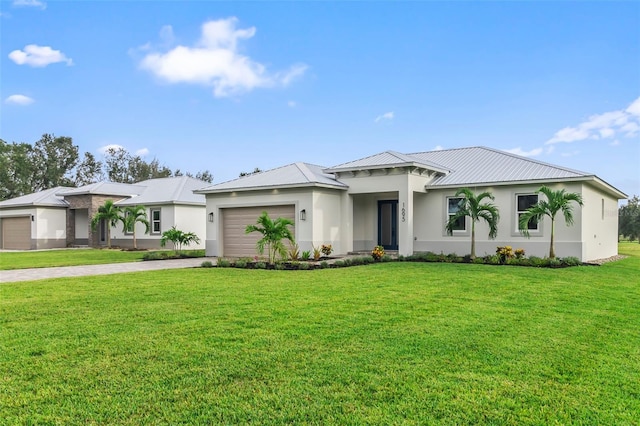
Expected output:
(110, 213)
(178, 238)
(131, 216)
(273, 232)
(556, 201)
(471, 205)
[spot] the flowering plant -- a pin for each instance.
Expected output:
(377, 253)
(519, 253)
(326, 249)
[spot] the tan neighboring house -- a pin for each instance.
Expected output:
(61, 217)
(403, 201)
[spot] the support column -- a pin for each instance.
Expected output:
(346, 224)
(405, 221)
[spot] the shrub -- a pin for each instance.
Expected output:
(304, 266)
(570, 261)
(479, 260)
(401, 258)
(317, 253)
(554, 262)
(339, 263)
(386, 258)
(324, 264)
(356, 261)
(466, 258)
(207, 264)
(431, 257)
(519, 253)
(306, 255)
(279, 266)
(240, 263)
(261, 265)
(294, 252)
(224, 263)
(504, 253)
(326, 249)
(377, 253)
(536, 261)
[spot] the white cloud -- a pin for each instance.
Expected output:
(38, 56)
(142, 152)
(19, 100)
(215, 61)
(520, 151)
(614, 143)
(603, 125)
(30, 3)
(570, 154)
(438, 148)
(386, 116)
(292, 104)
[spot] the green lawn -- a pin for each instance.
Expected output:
(393, 343)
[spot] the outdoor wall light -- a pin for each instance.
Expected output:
(303, 214)
(211, 217)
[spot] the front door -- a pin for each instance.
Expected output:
(388, 224)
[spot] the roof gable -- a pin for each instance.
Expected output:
(387, 159)
(48, 197)
(172, 190)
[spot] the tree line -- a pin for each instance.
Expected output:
(55, 161)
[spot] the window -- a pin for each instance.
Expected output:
(155, 221)
(524, 202)
(453, 205)
(129, 227)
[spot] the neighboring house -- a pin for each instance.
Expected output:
(61, 217)
(403, 201)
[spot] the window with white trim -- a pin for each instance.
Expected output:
(155, 221)
(453, 205)
(523, 203)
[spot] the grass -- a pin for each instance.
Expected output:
(392, 343)
(71, 257)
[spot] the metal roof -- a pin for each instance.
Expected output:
(172, 190)
(47, 198)
(386, 159)
(108, 188)
(480, 165)
(291, 175)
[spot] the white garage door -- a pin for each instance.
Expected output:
(234, 221)
(16, 233)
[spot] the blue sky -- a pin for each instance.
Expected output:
(229, 86)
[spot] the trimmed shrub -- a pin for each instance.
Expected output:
(324, 264)
(304, 266)
(240, 263)
(260, 265)
(207, 264)
(570, 261)
(224, 263)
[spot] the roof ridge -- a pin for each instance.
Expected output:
(181, 185)
(306, 172)
(533, 160)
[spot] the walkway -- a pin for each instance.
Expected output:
(106, 269)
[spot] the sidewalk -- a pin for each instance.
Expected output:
(105, 269)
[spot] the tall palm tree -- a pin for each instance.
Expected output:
(132, 215)
(273, 232)
(556, 201)
(471, 205)
(108, 212)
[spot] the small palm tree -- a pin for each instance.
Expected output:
(178, 238)
(132, 215)
(471, 205)
(108, 212)
(559, 200)
(273, 232)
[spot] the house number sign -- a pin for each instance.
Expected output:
(404, 212)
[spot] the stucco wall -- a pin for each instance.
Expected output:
(326, 220)
(430, 218)
(599, 224)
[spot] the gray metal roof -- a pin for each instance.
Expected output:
(385, 160)
(172, 190)
(46, 198)
(108, 188)
(479, 165)
(291, 175)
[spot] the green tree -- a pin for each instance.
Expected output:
(17, 169)
(110, 213)
(629, 219)
(132, 215)
(178, 238)
(89, 170)
(557, 201)
(471, 205)
(273, 232)
(54, 160)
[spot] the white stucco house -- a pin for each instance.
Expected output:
(61, 217)
(403, 201)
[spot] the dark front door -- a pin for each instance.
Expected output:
(388, 224)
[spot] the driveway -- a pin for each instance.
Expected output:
(106, 269)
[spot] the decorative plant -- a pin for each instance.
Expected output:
(317, 253)
(377, 253)
(326, 249)
(132, 215)
(294, 252)
(178, 238)
(504, 253)
(306, 255)
(556, 201)
(108, 212)
(273, 232)
(519, 253)
(471, 205)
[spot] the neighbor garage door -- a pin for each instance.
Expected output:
(234, 221)
(16, 233)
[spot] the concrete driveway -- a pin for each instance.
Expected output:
(106, 269)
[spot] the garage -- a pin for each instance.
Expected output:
(234, 221)
(16, 233)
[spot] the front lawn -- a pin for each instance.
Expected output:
(70, 257)
(390, 343)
